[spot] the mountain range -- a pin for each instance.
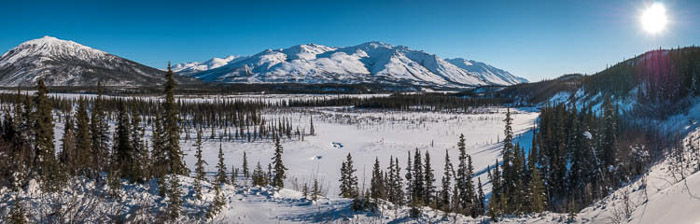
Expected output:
(372, 62)
(67, 63)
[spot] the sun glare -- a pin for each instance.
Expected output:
(654, 18)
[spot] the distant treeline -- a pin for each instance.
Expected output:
(406, 102)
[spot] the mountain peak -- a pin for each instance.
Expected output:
(305, 51)
(376, 44)
(49, 41)
(192, 67)
(52, 46)
(45, 39)
(65, 63)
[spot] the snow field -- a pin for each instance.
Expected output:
(372, 134)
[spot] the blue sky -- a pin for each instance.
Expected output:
(533, 39)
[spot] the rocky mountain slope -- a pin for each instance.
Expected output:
(67, 63)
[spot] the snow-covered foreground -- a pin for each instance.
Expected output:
(367, 135)
(670, 193)
(82, 202)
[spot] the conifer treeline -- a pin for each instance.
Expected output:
(28, 147)
(225, 119)
(517, 187)
(575, 159)
(404, 102)
(583, 156)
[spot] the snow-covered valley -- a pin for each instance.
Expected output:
(366, 134)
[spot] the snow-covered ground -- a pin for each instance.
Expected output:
(366, 134)
(669, 193)
(374, 134)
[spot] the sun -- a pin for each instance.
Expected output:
(654, 19)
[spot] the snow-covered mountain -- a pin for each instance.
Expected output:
(67, 63)
(372, 62)
(487, 72)
(194, 67)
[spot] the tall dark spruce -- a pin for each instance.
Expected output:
(100, 135)
(171, 147)
(199, 166)
(171, 128)
(84, 155)
(47, 167)
(278, 165)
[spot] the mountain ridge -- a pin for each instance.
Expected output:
(67, 63)
(369, 62)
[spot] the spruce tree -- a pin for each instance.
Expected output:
(305, 190)
(174, 197)
(444, 200)
(481, 204)
(171, 128)
(259, 176)
(114, 171)
(537, 200)
(463, 178)
(47, 167)
(394, 188)
(312, 130)
(124, 152)
(246, 172)
(171, 147)
(316, 191)
(418, 180)
(218, 204)
(221, 168)
(277, 163)
(84, 153)
(138, 146)
(159, 167)
(510, 168)
(429, 178)
(199, 166)
(409, 180)
(348, 180)
(269, 174)
(377, 182)
(234, 175)
(344, 191)
(398, 184)
(496, 202)
(471, 193)
(68, 155)
(99, 129)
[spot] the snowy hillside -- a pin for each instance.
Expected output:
(364, 63)
(67, 63)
